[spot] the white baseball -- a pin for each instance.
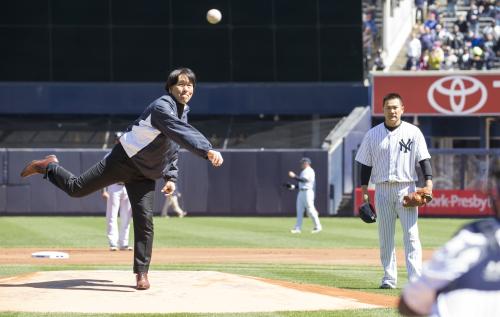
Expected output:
(214, 16)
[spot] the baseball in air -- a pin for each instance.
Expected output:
(214, 16)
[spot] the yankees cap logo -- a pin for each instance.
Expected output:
(406, 146)
(465, 94)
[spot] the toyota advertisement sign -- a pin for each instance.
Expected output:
(440, 93)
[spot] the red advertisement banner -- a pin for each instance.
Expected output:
(469, 203)
(440, 93)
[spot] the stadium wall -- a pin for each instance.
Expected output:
(250, 183)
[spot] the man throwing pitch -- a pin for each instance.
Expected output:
(148, 150)
(389, 154)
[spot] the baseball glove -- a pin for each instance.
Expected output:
(418, 198)
(367, 213)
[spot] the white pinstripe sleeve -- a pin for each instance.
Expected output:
(364, 155)
(422, 152)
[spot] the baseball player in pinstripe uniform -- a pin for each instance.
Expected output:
(388, 154)
(305, 197)
(463, 277)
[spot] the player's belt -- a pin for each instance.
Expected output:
(120, 183)
(395, 182)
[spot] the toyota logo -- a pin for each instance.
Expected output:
(457, 89)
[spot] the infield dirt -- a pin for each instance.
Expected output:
(179, 288)
(206, 255)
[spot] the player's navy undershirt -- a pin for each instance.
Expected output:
(391, 128)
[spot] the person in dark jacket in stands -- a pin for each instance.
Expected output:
(148, 150)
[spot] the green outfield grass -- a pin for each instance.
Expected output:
(231, 232)
(89, 232)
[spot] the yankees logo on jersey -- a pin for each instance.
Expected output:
(406, 146)
(393, 154)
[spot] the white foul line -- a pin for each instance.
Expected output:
(496, 84)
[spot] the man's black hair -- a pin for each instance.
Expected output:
(173, 77)
(391, 96)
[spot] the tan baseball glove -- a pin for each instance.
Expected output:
(417, 199)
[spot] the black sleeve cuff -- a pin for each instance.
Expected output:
(426, 167)
(300, 179)
(366, 172)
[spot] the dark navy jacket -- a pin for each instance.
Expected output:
(485, 274)
(152, 141)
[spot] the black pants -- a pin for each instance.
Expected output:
(117, 167)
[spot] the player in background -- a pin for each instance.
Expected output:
(305, 196)
(172, 200)
(117, 202)
(148, 150)
(388, 154)
(463, 277)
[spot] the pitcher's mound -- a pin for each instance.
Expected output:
(171, 291)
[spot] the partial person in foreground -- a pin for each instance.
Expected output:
(463, 277)
(117, 203)
(388, 155)
(148, 150)
(305, 196)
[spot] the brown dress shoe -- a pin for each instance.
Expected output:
(142, 281)
(38, 166)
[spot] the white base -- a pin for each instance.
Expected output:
(50, 255)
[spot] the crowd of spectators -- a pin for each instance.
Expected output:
(372, 53)
(449, 39)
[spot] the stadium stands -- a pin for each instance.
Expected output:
(464, 36)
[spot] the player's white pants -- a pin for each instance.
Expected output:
(305, 201)
(118, 201)
(173, 201)
(388, 202)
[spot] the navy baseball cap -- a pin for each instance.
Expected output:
(305, 160)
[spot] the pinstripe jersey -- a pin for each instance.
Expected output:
(393, 155)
